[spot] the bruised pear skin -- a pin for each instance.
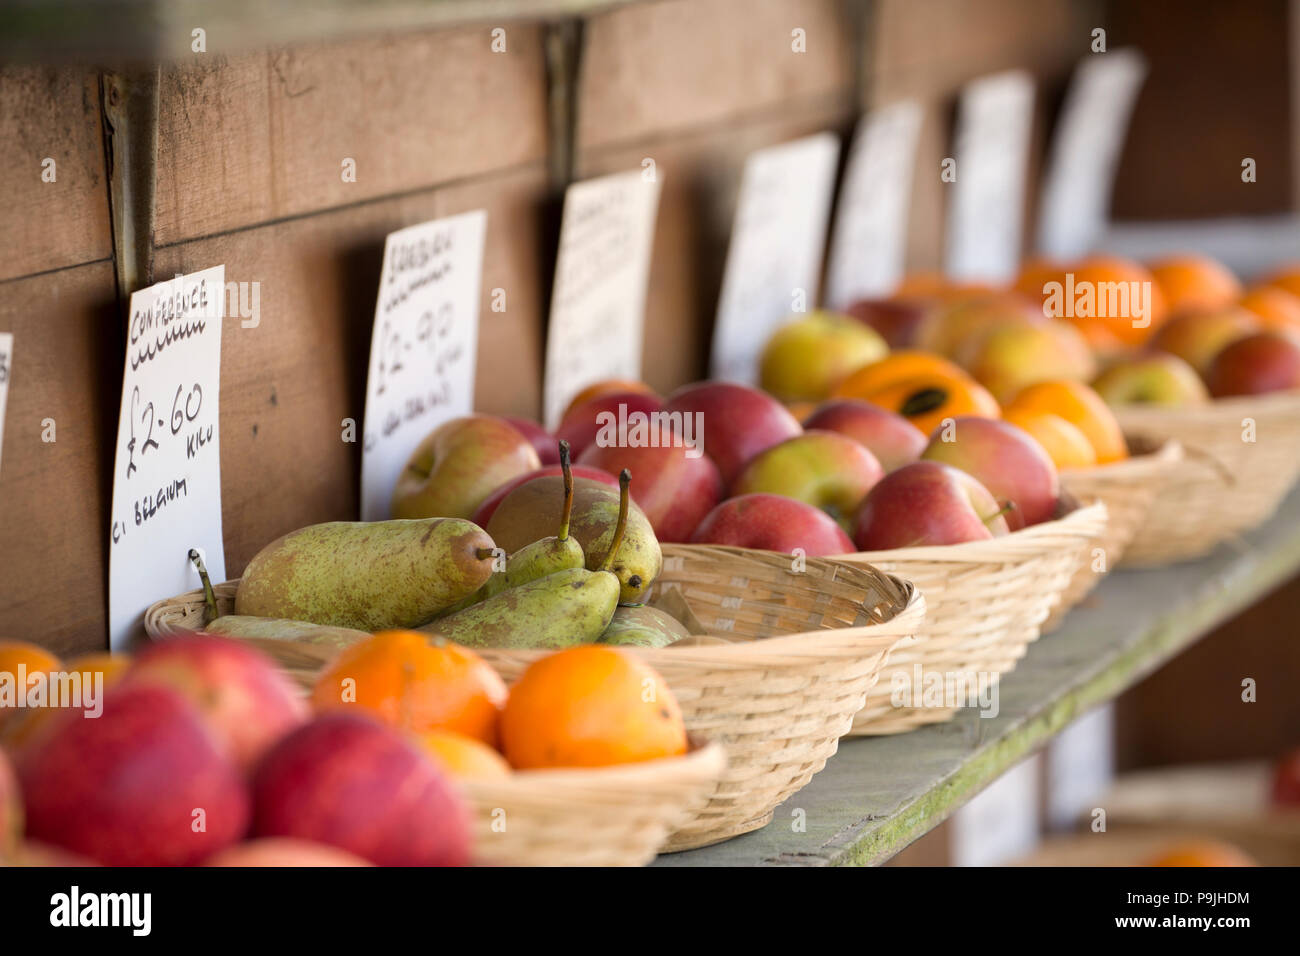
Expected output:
(367, 575)
(563, 609)
(279, 629)
(532, 511)
(643, 626)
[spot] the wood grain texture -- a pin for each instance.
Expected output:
(259, 137)
(54, 496)
(289, 383)
(50, 112)
(658, 67)
(700, 176)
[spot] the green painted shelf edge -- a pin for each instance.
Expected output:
(877, 795)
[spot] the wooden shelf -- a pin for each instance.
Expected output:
(877, 795)
(162, 29)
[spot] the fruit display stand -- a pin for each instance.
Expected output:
(879, 794)
(802, 649)
(1241, 458)
(986, 603)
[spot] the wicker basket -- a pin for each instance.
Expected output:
(1225, 485)
(1127, 489)
(780, 704)
(609, 816)
(986, 601)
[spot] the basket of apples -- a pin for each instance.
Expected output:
(1212, 367)
(767, 655)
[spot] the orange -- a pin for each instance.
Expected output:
(1277, 309)
(1098, 275)
(1201, 853)
(415, 681)
(894, 368)
(1036, 273)
(1195, 282)
(464, 757)
(1066, 444)
(1080, 406)
(1286, 278)
(33, 659)
(609, 386)
(590, 706)
(23, 728)
(926, 400)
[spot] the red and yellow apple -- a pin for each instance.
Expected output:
(1255, 365)
(889, 436)
(1157, 378)
(805, 359)
(737, 422)
(1009, 356)
(1196, 337)
(585, 421)
(927, 503)
(773, 523)
(824, 469)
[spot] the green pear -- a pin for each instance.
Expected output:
(643, 626)
(367, 575)
(530, 510)
(279, 629)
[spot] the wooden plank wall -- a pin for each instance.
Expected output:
(248, 174)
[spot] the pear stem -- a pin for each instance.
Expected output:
(484, 553)
(624, 497)
(567, 513)
(209, 595)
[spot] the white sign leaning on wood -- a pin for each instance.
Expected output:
(601, 271)
(869, 240)
(775, 254)
(987, 203)
(423, 347)
(1085, 152)
(167, 468)
(6, 372)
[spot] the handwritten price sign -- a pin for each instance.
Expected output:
(167, 474)
(423, 349)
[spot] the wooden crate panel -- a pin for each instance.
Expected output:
(255, 138)
(51, 112)
(652, 68)
(54, 496)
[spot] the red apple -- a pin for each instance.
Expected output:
(144, 784)
(773, 523)
(348, 781)
(247, 701)
(582, 423)
(897, 320)
(11, 809)
(459, 464)
(544, 443)
(1285, 790)
(1006, 460)
(737, 422)
(489, 506)
(927, 503)
(1257, 364)
(283, 851)
(1197, 337)
(675, 486)
(823, 469)
(890, 437)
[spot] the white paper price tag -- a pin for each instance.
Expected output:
(1000, 823)
(1085, 152)
(6, 372)
(1080, 766)
(775, 254)
(987, 202)
(167, 472)
(868, 243)
(598, 304)
(423, 348)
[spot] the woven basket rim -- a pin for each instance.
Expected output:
(1162, 453)
(705, 757)
(1138, 417)
(1084, 521)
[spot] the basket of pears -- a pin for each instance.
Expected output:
(768, 655)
